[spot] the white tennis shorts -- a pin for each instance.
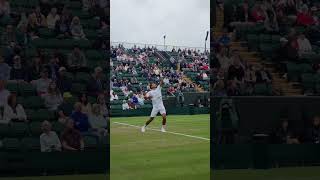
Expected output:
(155, 110)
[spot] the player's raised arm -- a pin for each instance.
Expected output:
(161, 82)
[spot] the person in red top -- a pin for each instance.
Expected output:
(258, 14)
(304, 17)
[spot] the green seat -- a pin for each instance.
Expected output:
(18, 129)
(4, 130)
(46, 33)
(35, 128)
(308, 81)
(11, 144)
(82, 77)
(78, 88)
(30, 144)
(12, 87)
(58, 127)
(26, 89)
(90, 143)
(262, 89)
(33, 102)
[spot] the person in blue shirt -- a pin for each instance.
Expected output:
(224, 40)
(80, 119)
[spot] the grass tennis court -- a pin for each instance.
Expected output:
(154, 155)
(299, 173)
(71, 177)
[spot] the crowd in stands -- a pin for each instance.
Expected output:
(283, 31)
(133, 69)
(51, 73)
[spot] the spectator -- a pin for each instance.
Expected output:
(36, 20)
(125, 105)
(18, 72)
(96, 84)
(14, 111)
(71, 138)
(98, 122)
(236, 71)
(4, 8)
(65, 109)
(5, 70)
(304, 46)
(80, 119)
(101, 100)
(285, 134)
(49, 140)
(52, 18)
(77, 60)
(258, 14)
(64, 83)
(53, 98)
(304, 17)
(42, 84)
(4, 94)
(34, 68)
(314, 131)
(62, 28)
(113, 96)
(219, 89)
(76, 29)
(86, 105)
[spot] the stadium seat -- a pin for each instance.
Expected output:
(30, 144)
(18, 129)
(35, 129)
(11, 144)
(90, 143)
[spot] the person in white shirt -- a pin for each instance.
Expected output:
(43, 83)
(113, 96)
(49, 140)
(14, 111)
(97, 121)
(52, 18)
(125, 105)
(304, 45)
(157, 106)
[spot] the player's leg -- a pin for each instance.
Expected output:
(164, 119)
(153, 114)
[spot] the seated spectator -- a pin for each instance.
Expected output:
(88, 4)
(314, 132)
(8, 36)
(304, 17)
(219, 89)
(114, 96)
(96, 84)
(236, 70)
(49, 140)
(86, 105)
(125, 105)
(224, 40)
(5, 70)
(304, 45)
(36, 20)
(42, 84)
(80, 119)
(258, 14)
(141, 99)
(4, 94)
(71, 138)
(52, 18)
(99, 123)
(22, 36)
(4, 8)
(18, 72)
(63, 82)
(65, 109)
(14, 111)
(53, 98)
(224, 59)
(76, 29)
(285, 134)
(34, 68)
(77, 60)
(262, 75)
(62, 28)
(101, 100)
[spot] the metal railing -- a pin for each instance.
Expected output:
(159, 47)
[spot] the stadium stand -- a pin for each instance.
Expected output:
(278, 37)
(280, 132)
(53, 54)
(184, 72)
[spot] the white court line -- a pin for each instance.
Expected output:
(186, 135)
